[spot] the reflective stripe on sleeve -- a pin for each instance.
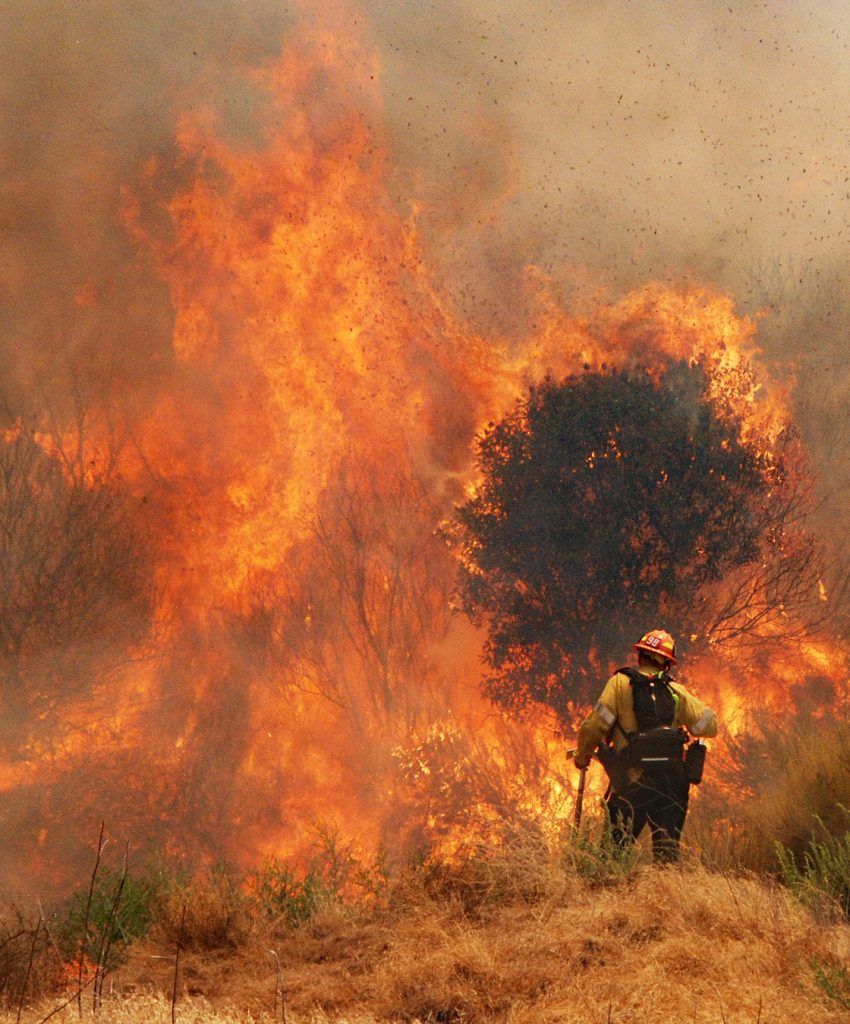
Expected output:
(606, 714)
(701, 724)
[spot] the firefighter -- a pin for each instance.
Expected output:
(639, 729)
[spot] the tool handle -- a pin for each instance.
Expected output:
(580, 796)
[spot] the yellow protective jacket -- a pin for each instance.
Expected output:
(615, 708)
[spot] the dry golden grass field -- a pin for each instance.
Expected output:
(504, 941)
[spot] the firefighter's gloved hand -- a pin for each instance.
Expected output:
(581, 764)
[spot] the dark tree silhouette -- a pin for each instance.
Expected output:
(614, 502)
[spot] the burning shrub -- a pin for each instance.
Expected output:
(477, 797)
(75, 579)
(284, 893)
(616, 499)
(784, 785)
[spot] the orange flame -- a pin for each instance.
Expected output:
(309, 338)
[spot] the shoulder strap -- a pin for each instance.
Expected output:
(647, 713)
(631, 673)
(636, 676)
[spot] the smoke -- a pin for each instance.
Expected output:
(638, 141)
(605, 143)
(90, 93)
(613, 142)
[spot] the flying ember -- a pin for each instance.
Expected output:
(312, 431)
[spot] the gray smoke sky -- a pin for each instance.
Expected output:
(600, 140)
(638, 139)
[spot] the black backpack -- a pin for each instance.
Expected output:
(653, 700)
(656, 748)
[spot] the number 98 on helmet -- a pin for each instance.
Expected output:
(658, 641)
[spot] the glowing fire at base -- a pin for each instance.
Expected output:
(315, 430)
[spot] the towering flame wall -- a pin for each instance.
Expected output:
(291, 462)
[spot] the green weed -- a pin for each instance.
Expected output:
(332, 873)
(594, 856)
(284, 894)
(833, 981)
(820, 876)
(103, 921)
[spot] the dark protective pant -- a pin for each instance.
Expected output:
(658, 799)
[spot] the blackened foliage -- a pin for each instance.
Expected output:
(607, 502)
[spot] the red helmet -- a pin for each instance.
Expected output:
(658, 641)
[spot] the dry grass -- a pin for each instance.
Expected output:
(516, 939)
(789, 779)
(207, 912)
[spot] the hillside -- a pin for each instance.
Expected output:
(486, 945)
